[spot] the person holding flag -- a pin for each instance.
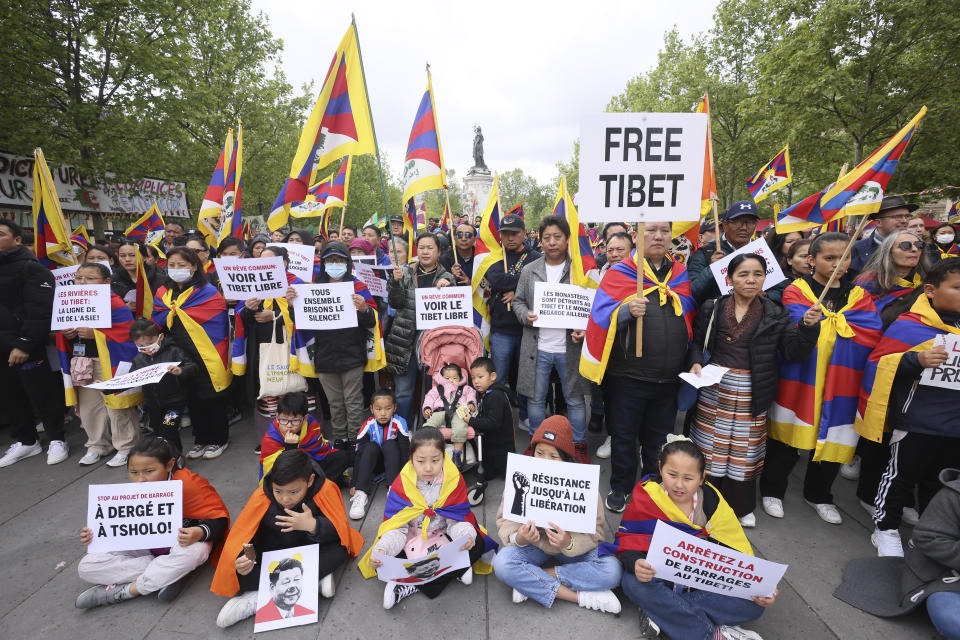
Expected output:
(738, 225)
(459, 259)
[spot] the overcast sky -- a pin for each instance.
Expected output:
(524, 71)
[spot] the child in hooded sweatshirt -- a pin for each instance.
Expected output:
(450, 403)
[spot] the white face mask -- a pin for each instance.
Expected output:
(945, 238)
(150, 349)
(179, 275)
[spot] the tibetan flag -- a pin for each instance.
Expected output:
(246, 231)
(326, 194)
(340, 125)
(143, 307)
(311, 442)
(913, 331)
(80, 237)
(50, 231)
(447, 221)
(212, 206)
(583, 264)
(517, 210)
(423, 168)
(771, 176)
(410, 228)
(857, 193)
(816, 400)
(880, 298)
(953, 216)
(617, 288)
(231, 220)
(148, 229)
(691, 229)
(422, 215)
(487, 251)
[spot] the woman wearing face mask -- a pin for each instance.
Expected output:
(943, 243)
(192, 310)
(124, 280)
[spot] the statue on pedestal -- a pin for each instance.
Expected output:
(479, 166)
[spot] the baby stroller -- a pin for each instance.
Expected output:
(459, 346)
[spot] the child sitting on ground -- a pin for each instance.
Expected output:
(495, 418)
(450, 403)
(295, 428)
(427, 508)
(295, 506)
(382, 445)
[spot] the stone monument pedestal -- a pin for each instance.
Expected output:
(478, 183)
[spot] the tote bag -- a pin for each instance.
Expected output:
(276, 378)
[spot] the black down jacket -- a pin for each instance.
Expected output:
(401, 295)
(26, 302)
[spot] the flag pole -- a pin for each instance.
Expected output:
(640, 262)
(453, 243)
(849, 248)
(376, 145)
(716, 222)
(500, 214)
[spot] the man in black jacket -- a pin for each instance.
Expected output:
(28, 387)
(459, 259)
(738, 224)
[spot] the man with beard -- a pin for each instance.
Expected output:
(286, 585)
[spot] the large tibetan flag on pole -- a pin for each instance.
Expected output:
(340, 125)
(143, 305)
(708, 194)
(50, 231)
(148, 228)
(771, 176)
(231, 221)
(487, 252)
(326, 194)
(423, 168)
(212, 205)
(856, 193)
(583, 264)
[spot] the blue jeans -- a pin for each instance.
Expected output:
(943, 608)
(691, 615)
(505, 351)
(519, 567)
(405, 386)
(537, 406)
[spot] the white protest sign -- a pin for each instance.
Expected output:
(947, 375)
(444, 307)
(761, 248)
(261, 278)
(324, 306)
(289, 585)
(65, 275)
(86, 305)
(301, 258)
(447, 558)
(562, 306)
(683, 559)
(368, 276)
(641, 166)
(134, 515)
(146, 375)
(545, 491)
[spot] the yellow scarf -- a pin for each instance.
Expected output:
(220, 376)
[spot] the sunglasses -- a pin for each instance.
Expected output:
(464, 235)
(906, 245)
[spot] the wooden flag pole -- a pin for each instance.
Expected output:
(716, 222)
(453, 227)
(502, 250)
(640, 261)
(343, 213)
(849, 248)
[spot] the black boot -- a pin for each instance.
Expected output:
(596, 423)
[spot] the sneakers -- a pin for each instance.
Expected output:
(866, 506)
(90, 457)
(596, 423)
(237, 608)
(648, 628)
(605, 601)
(524, 425)
(518, 597)
(851, 470)
(256, 449)
(580, 453)
(773, 507)
(170, 592)
(195, 452)
(738, 633)
(57, 451)
(394, 593)
(212, 451)
(118, 460)
(467, 577)
(327, 587)
(603, 451)
(910, 516)
(18, 451)
(616, 501)
(748, 521)
(358, 505)
(101, 595)
(827, 512)
(887, 542)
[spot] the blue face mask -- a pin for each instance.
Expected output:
(335, 270)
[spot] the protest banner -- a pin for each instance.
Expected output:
(289, 586)
(366, 274)
(65, 275)
(261, 278)
(325, 306)
(134, 515)
(561, 306)
(439, 561)
(444, 307)
(947, 375)
(86, 305)
(548, 491)
(147, 375)
(761, 248)
(637, 167)
(301, 259)
(371, 260)
(683, 559)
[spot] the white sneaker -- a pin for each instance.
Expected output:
(748, 521)
(910, 516)
(196, 451)
(827, 512)
(887, 542)
(327, 587)
(851, 470)
(394, 593)
(866, 506)
(237, 608)
(57, 451)
(118, 460)
(518, 597)
(773, 507)
(738, 633)
(212, 451)
(606, 601)
(90, 457)
(358, 505)
(467, 577)
(18, 451)
(603, 451)
(524, 425)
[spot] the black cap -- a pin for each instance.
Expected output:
(396, 218)
(512, 222)
(894, 202)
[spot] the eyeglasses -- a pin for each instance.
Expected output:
(464, 235)
(288, 421)
(742, 221)
(906, 245)
(900, 216)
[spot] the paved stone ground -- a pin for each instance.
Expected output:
(43, 507)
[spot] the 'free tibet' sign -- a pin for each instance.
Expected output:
(640, 167)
